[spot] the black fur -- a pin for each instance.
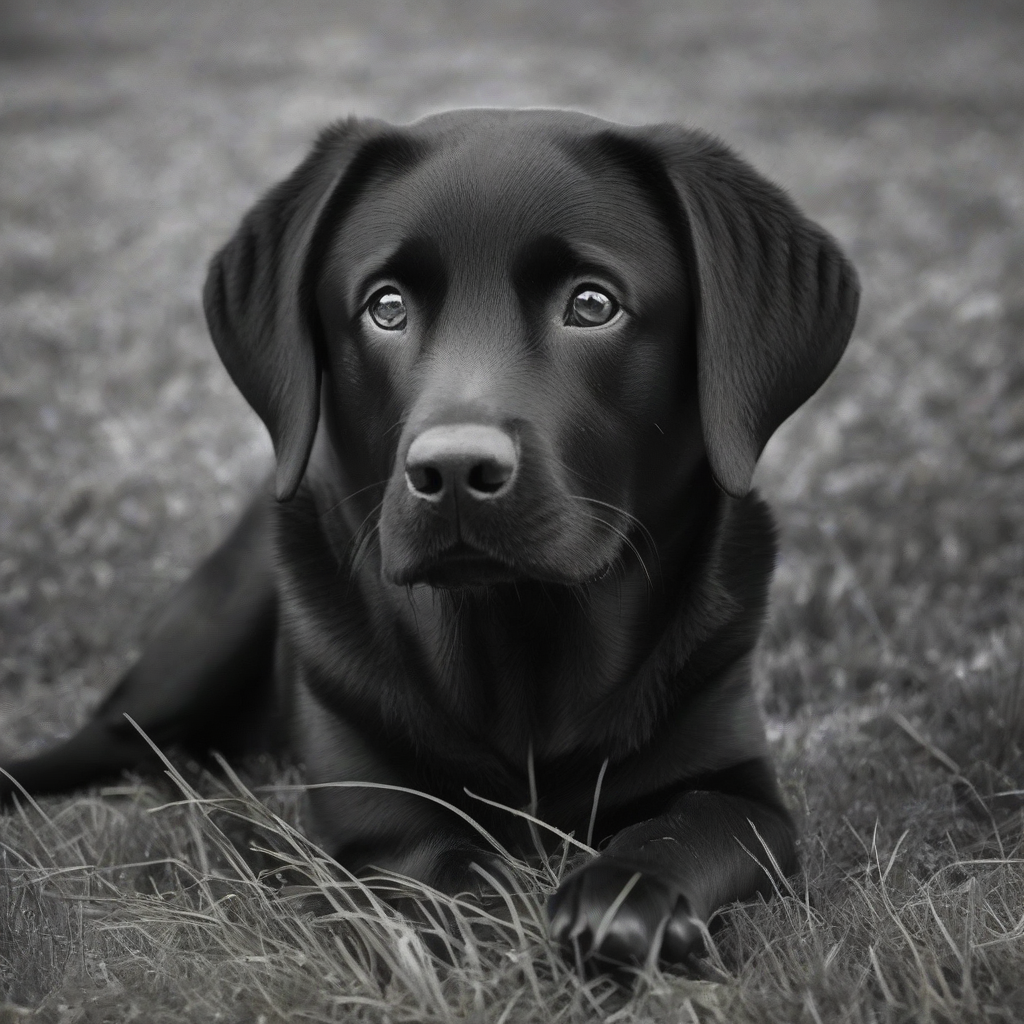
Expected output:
(504, 534)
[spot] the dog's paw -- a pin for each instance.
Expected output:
(608, 912)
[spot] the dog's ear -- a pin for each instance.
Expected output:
(776, 301)
(258, 298)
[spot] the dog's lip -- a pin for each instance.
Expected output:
(463, 565)
(461, 551)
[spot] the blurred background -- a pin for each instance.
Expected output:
(134, 135)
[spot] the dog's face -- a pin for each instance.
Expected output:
(527, 328)
(507, 341)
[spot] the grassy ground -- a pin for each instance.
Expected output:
(132, 138)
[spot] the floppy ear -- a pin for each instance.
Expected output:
(258, 300)
(776, 302)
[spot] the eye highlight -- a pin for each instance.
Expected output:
(590, 307)
(387, 309)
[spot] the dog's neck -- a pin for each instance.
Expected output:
(518, 664)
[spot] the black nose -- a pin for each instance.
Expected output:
(470, 459)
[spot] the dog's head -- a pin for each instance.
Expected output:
(532, 325)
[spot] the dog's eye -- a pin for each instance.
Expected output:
(591, 308)
(387, 310)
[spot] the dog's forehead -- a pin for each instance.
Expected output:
(484, 192)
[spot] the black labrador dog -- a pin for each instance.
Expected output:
(517, 367)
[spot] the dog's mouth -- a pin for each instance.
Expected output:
(464, 566)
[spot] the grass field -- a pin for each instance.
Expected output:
(132, 137)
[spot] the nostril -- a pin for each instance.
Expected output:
(426, 480)
(475, 460)
(489, 476)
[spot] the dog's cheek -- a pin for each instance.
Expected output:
(364, 390)
(664, 419)
(648, 382)
(594, 440)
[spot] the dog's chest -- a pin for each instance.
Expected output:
(520, 671)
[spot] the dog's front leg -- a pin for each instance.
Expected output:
(649, 892)
(367, 808)
(370, 829)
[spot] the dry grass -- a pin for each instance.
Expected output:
(213, 906)
(133, 136)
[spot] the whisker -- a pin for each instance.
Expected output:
(628, 516)
(364, 549)
(586, 479)
(395, 426)
(355, 494)
(580, 595)
(361, 539)
(625, 540)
